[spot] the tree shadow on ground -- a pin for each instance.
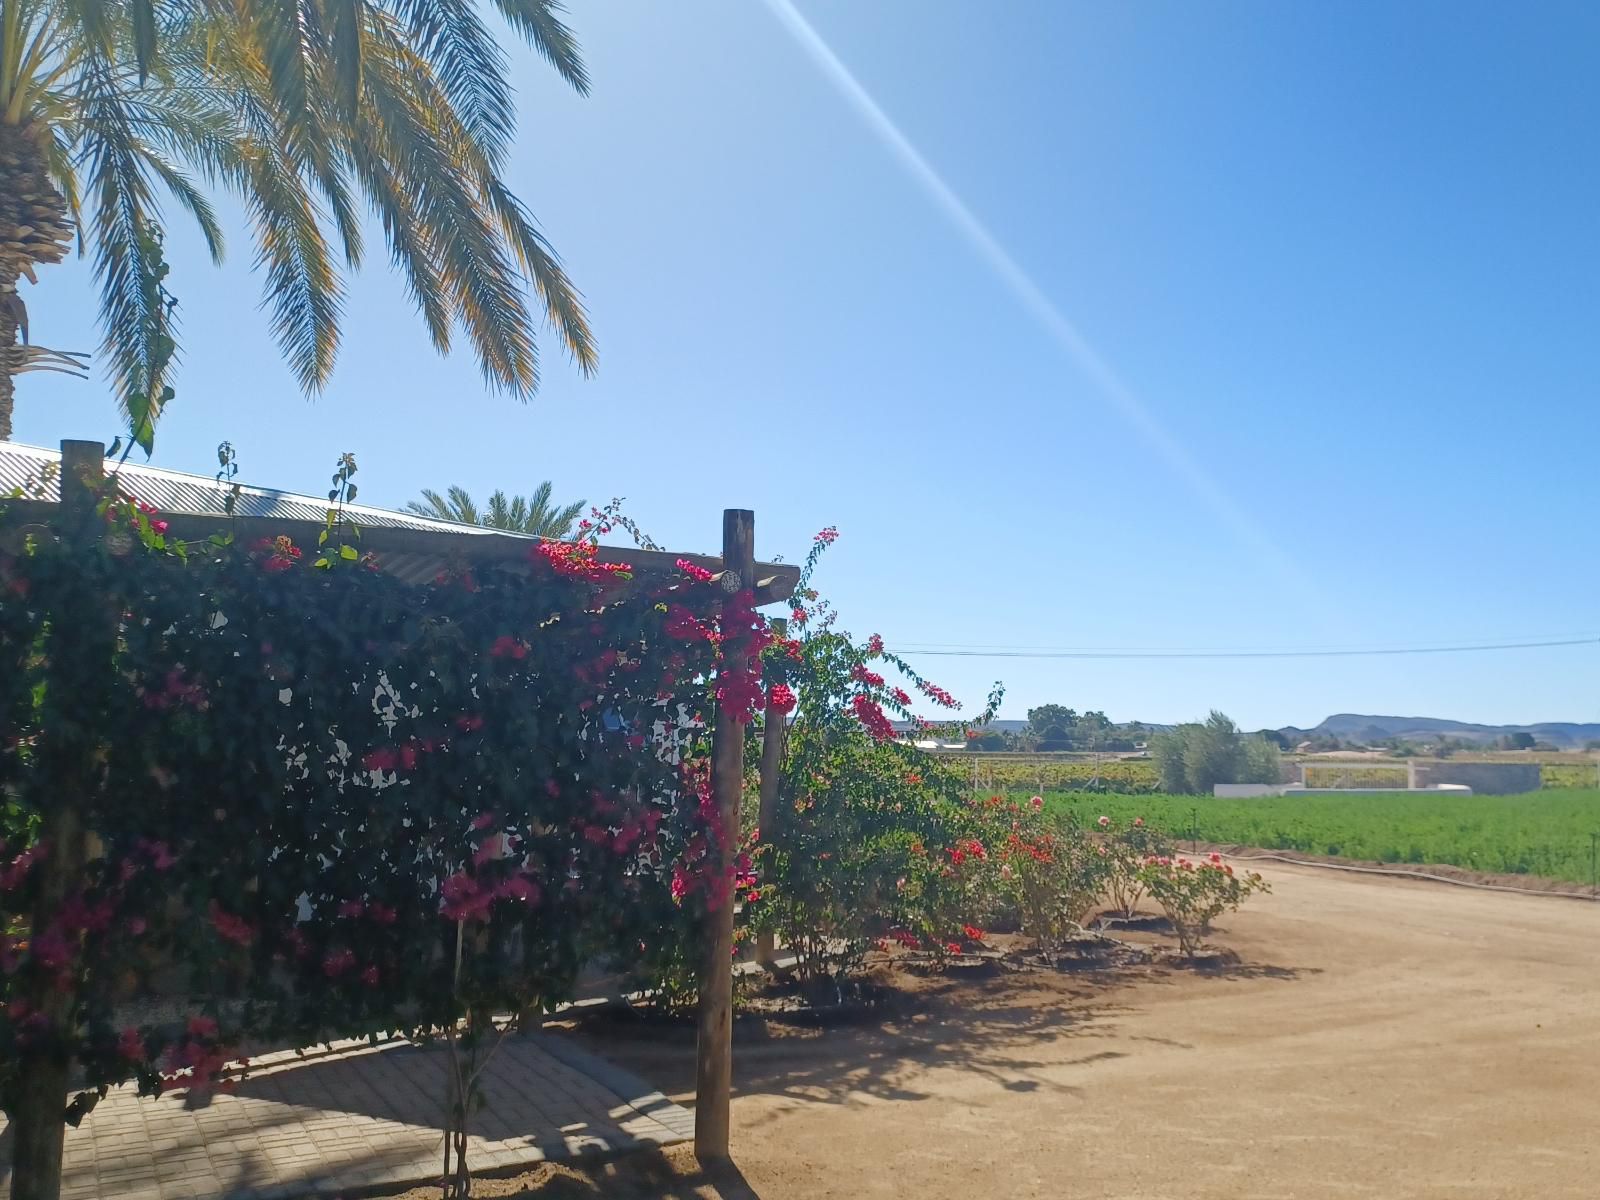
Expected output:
(990, 1029)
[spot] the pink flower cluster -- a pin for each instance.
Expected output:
(134, 508)
(506, 646)
(861, 675)
(466, 898)
(176, 689)
(378, 912)
(744, 635)
(398, 758)
(682, 625)
(231, 928)
(871, 715)
(275, 553)
(578, 560)
(15, 873)
(197, 1056)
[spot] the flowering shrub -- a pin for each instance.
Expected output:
(1052, 875)
(1194, 894)
(340, 804)
(1129, 847)
(862, 816)
(947, 890)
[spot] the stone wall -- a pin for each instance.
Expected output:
(1484, 778)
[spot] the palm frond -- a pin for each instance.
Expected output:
(303, 109)
(409, 247)
(520, 514)
(345, 50)
(143, 14)
(301, 287)
(560, 524)
(96, 23)
(184, 191)
(138, 334)
(431, 505)
(406, 109)
(281, 59)
(563, 302)
(462, 506)
(539, 21)
(469, 64)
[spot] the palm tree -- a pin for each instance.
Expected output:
(518, 514)
(308, 111)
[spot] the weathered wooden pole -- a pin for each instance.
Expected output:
(80, 653)
(714, 1045)
(774, 726)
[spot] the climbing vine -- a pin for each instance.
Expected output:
(329, 802)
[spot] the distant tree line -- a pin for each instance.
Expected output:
(1195, 757)
(1055, 727)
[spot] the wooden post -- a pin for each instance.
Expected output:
(773, 730)
(80, 638)
(714, 1044)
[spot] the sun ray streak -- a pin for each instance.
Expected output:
(1093, 365)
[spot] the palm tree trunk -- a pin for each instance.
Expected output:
(35, 228)
(8, 340)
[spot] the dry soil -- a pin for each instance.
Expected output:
(1378, 1039)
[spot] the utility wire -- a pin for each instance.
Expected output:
(981, 652)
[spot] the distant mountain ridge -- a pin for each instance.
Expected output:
(1361, 727)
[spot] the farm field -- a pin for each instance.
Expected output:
(1545, 833)
(1043, 772)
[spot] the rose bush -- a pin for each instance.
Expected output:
(1052, 874)
(1193, 894)
(1129, 848)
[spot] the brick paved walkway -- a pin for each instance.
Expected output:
(361, 1117)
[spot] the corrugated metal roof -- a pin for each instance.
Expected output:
(412, 548)
(34, 470)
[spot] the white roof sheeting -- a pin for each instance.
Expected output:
(29, 467)
(412, 548)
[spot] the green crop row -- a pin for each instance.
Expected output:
(1550, 833)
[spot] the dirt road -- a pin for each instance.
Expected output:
(1382, 1039)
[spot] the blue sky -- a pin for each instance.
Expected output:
(1342, 261)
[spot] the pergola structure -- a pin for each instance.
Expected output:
(415, 550)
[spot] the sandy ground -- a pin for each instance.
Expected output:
(1380, 1039)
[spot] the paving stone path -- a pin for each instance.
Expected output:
(361, 1117)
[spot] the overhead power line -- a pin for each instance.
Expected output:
(996, 652)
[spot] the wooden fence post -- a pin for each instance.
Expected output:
(714, 1043)
(775, 727)
(81, 633)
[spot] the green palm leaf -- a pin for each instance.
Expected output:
(531, 514)
(307, 111)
